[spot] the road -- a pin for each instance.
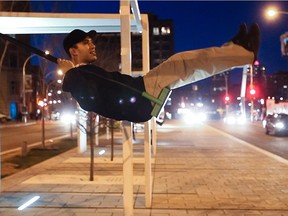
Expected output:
(254, 133)
(13, 137)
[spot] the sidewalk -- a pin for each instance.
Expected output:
(196, 171)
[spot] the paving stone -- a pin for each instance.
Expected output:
(191, 176)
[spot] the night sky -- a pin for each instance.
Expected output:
(200, 24)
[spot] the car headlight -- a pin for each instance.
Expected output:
(279, 125)
(230, 120)
(68, 118)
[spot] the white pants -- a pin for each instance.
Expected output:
(187, 67)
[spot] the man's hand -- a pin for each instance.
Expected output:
(65, 65)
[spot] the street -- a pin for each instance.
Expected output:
(254, 134)
(13, 137)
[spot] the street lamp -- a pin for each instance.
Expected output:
(24, 108)
(273, 12)
(60, 72)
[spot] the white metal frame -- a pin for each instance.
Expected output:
(55, 23)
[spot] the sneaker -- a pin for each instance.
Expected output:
(253, 40)
(241, 36)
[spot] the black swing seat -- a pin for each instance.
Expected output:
(159, 102)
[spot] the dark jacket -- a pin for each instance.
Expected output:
(104, 93)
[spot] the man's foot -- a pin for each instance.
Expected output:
(241, 36)
(253, 39)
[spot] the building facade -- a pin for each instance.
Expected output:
(277, 86)
(161, 42)
(11, 64)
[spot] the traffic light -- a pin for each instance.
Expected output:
(252, 91)
(256, 63)
(227, 99)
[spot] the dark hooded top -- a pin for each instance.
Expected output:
(108, 93)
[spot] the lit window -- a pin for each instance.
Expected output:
(165, 30)
(155, 31)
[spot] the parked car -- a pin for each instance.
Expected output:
(276, 124)
(4, 118)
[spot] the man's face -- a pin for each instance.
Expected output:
(85, 51)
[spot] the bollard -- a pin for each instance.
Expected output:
(24, 149)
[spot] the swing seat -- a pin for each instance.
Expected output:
(163, 98)
(159, 102)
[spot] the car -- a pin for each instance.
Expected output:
(55, 115)
(4, 118)
(235, 119)
(276, 124)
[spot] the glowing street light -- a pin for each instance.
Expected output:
(60, 72)
(272, 13)
(227, 98)
(252, 91)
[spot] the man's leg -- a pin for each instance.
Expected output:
(187, 67)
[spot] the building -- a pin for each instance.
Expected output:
(277, 86)
(161, 42)
(223, 86)
(11, 64)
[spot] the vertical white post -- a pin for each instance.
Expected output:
(81, 133)
(145, 44)
(97, 119)
(108, 129)
(147, 159)
(243, 91)
(146, 68)
(128, 200)
(154, 135)
(147, 132)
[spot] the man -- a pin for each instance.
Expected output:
(118, 96)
